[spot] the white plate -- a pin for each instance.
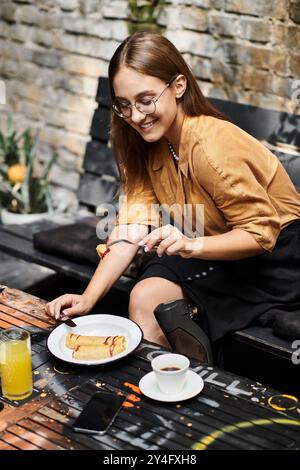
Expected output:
(95, 325)
(194, 384)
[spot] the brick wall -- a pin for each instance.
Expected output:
(52, 52)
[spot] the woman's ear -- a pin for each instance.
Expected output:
(180, 85)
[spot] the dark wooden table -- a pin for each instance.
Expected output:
(231, 412)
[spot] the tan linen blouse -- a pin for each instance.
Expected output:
(240, 183)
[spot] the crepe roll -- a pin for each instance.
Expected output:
(73, 340)
(102, 250)
(97, 351)
(70, 340)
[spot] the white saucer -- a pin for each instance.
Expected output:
(194, 384)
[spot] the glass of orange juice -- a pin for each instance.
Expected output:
(15, 364)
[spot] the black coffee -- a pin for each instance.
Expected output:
(170, 368)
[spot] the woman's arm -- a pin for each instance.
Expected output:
(233, 245)
(108, 271)
(113, 265)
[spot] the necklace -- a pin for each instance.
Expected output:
(173, 153)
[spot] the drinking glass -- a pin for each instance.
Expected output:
(15, 364)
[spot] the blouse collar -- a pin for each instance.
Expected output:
(160, 153)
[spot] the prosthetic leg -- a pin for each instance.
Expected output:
(177, 320)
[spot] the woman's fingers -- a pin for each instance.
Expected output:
(165, 246)
(77, 309)
(172, 246)
(156, 236)
(150, 240)
(179, 248)
(61, 304)
(169, 240)
(68, 305)
(54, 308)
(50, 307)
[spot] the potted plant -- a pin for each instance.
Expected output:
(24, 194)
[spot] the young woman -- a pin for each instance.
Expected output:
(174, 147)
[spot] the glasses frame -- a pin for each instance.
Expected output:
(154, 101)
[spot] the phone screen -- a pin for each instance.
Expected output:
(99, 413)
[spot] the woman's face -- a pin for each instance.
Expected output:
(131, 86)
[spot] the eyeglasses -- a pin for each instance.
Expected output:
(145, 106)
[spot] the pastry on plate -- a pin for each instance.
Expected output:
(95, 347)
(97, 351)
(73, 340)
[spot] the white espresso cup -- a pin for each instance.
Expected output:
(170, 372)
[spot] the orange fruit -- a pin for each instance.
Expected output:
(16, 173)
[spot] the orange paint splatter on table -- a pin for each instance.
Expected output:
(131, 396)
(127, 404)
(132, 387)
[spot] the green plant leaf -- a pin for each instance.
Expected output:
(3, 173)
(49, 165)
(7, 189)
(25, 188)
(2, 144)
(38, 202)
(28, 145)
(9, 144)
(32, 195)
(49, 200)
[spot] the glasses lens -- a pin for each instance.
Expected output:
(124, 109)
(145, 106)
(121, 109)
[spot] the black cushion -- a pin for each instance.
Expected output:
(284, 323)
(75, 241)
(267, 319)
(287, 325)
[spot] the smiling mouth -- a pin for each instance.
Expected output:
(148, 125)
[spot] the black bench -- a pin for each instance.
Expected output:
(99, 179)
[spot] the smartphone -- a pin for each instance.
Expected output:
(99, 413)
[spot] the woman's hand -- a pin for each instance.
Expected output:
(68, 305)
(170, 241)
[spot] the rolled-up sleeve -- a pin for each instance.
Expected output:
(237, 178)
(139, 206)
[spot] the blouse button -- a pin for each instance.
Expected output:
(204, 273)
(211, 268)
(198, 275)
(189, 278)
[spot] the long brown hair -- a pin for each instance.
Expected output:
(152, 54)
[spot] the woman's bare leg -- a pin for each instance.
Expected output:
(144, 297)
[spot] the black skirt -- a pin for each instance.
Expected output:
(232, 294)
